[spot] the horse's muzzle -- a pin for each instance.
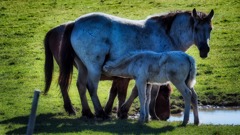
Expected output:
(164, 117)
(204, 52)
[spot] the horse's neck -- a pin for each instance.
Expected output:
(181, 33)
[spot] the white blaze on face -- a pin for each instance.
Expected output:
(208, 41)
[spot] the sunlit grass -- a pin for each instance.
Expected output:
(24, 24)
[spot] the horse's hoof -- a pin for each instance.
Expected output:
(122, 115)
(108, 111)
(102, 115)
(184, 124)
(70, 110)
(88, 114)
(196, 123)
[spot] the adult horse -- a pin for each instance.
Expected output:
(98, 37)
(53, 43)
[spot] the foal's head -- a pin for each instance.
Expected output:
(202, 29)
(162, 107)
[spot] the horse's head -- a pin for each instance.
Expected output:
(202, 29)
(162, 107)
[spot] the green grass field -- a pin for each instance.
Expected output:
(23, 25)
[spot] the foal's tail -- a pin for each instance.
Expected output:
(191, 79)
(67, 55)
(48, 66)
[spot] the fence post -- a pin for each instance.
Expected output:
(32, 117)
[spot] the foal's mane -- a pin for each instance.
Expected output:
(167, 19)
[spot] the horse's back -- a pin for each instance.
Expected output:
(94, 34)
(178, 66)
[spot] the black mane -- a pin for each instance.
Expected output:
(167, 19)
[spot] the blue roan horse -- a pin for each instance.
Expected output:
(98, 37)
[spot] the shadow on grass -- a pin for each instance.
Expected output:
(48, 123)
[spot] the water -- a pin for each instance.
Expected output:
(216, 116)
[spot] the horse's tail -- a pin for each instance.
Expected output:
(67, 55)
(48, 67)
(191, 79)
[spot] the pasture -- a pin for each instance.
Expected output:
(23, 25)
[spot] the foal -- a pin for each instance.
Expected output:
(148, 67)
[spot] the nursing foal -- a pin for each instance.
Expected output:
(148, 68)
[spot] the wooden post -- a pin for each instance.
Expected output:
(32, 117)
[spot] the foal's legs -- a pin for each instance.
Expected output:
(148, 98)
(186, 93)
(141, 86)
(194, 102)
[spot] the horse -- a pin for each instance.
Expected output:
(53, 44)
(147, 68)
(97, 37)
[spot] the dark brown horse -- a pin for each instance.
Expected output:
(53, 44)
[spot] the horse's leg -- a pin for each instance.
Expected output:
(141, 86)
(81, 85)
(194, 101)
(93, 80)
(186, 93)
(119, 87)
(123, 112)
(154, 94)
(122, 92)
(67, 102)
(148, 98)
(112, 96)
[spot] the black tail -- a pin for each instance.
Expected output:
(67, 55)
(48, 67)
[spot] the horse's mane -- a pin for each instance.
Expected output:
(167, 19)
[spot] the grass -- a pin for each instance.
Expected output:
(24, 24)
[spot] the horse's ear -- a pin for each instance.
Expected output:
(194, 13)
(210, 15)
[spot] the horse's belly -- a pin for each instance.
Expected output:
(158, 79)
